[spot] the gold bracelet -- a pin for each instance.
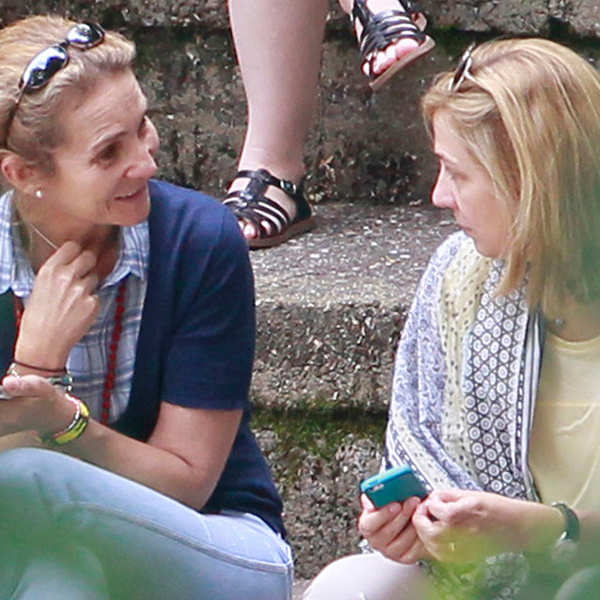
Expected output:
(74, 429)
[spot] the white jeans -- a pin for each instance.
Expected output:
(369, 577)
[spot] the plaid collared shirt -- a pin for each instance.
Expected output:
(88, 360)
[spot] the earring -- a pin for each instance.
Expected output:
(39, 194)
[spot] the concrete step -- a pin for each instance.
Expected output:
(300, 586)
(330, 308)
(331, 305)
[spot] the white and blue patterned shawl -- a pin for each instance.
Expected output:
(463, 399)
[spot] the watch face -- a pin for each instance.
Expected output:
(564, 551)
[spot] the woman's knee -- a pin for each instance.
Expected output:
(367, 577)
(25, 464)
(583, 585)
(32, 482)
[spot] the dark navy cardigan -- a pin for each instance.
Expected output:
(196, 339)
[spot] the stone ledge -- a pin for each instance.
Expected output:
(536, 17)
(331, 305)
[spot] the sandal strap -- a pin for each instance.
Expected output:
(258, 210)
(252, 205)
(379, 30)
(360, 11)
(262, 177)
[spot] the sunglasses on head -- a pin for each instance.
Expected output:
(463, 69)
(44, 65)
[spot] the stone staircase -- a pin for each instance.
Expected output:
(332, 303)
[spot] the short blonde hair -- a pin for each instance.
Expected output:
(35, 129)
(530, 115)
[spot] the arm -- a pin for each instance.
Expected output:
(185, 455)
(176, 461)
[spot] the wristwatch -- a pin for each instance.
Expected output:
(565, 548)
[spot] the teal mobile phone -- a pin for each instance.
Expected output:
(394, 485)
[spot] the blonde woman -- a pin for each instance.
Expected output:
(495, 399)
(126, 333)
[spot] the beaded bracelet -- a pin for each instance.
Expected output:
(74, 429)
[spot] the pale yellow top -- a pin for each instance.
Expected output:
(565, 445)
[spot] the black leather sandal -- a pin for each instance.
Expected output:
(250, 204)
(379, 30)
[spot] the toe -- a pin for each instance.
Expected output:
(404, 46)
(379, 62)
(249, 230)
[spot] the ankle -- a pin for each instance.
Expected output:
(291, 171)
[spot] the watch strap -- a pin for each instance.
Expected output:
(572, 528)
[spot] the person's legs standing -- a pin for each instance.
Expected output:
(278, 45)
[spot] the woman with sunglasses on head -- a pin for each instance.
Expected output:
(128, 467)
(495, 398)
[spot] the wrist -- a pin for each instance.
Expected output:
(79, 417)
(21, 368)
(39, 360)
(565, 548)
(545, 527)
(61, 379)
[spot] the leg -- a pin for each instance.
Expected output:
(67, 573)
(584, 585)
(369, 577)
(146, 545)
(278, 44)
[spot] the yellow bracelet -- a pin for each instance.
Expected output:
(74, 429)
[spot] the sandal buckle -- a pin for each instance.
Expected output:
(288, 187)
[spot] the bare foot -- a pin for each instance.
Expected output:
(249, 229)
(395, 50)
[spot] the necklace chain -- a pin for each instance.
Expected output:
(46, 239)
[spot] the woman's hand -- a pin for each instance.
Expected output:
(35, 405)
(61, 308)
(465, 526)
(390, 531)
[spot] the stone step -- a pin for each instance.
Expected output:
(330, 308)
(299, 588)
(331, 305)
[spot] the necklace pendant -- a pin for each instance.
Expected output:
(558, 323)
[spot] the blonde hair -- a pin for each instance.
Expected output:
(530, 115)
(35, 130)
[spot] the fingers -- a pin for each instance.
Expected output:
(27, 385)
(65, 253)
(388, 529)
(69, 255)
(61, 308)
(438, 537)
(404, 545)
